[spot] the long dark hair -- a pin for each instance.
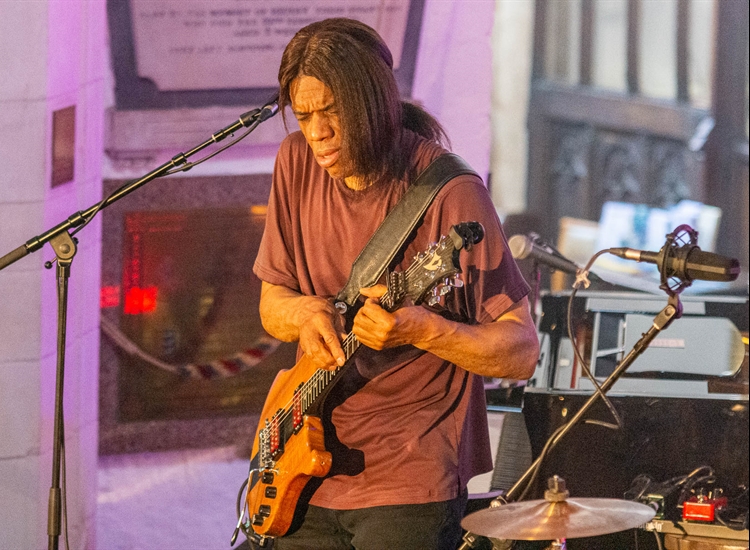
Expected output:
(354, 62)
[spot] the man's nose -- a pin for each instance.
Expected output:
(320, 127)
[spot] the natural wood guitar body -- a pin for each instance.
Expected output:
(304, 456)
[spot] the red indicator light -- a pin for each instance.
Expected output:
(140, 300)
(109, 296)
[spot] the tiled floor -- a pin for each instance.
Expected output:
(179, 500)
(184, 500)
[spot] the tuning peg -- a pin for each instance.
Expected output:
(446, 287)
(457, 281)
(434, 298)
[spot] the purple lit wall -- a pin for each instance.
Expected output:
(454, 74)
(53, 57)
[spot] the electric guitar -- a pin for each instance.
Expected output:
(288, 449)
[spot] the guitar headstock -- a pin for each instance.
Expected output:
(435, 270)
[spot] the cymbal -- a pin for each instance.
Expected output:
(571, 518)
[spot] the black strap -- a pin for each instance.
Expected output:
(398, 225)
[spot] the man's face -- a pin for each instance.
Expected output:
(314, 107)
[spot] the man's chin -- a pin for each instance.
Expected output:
(334, 171)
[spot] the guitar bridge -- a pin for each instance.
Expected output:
(266, 458)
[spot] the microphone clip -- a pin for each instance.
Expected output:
(673, 256)
(582, 279)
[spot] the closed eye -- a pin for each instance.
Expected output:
(301, 116)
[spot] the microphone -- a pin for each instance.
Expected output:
(269, 109)
(686, 262)
(522, 247)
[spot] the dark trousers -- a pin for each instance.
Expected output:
(432, 526)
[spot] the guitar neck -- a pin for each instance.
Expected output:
(321, 382)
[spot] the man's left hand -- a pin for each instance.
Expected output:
(378, 329)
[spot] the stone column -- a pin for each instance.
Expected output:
(53, 57)
(512, 46)
(453, 74)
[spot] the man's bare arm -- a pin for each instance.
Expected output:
(505, 348)
(311, 320)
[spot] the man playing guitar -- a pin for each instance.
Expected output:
(406, 425)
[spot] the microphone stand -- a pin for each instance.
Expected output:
(65, 249)
(536, 275)
(672, 311)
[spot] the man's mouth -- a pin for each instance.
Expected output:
(327, 158)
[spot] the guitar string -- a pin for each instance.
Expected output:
(319, 375)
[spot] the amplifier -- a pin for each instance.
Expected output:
(709, 342)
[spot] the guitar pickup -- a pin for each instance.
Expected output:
(270, 492)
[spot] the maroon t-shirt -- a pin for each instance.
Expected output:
(405, 426)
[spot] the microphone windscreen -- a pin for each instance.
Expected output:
(708, 266)
(520, 246)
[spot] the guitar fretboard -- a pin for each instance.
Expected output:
(284, 424)
(321, 380)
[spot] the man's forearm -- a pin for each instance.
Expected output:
(503, 349)
(283, 311)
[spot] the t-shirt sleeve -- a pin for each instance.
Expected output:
(275, 262)
(493, 282)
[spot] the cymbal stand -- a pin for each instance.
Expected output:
(672, 311)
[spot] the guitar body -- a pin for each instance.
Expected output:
(273, 499)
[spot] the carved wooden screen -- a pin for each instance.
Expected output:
(611, 117)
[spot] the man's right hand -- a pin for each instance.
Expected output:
(311, 320)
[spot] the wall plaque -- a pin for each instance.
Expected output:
(209, 44)
(197, 53)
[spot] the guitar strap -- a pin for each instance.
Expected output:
(395, 229)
